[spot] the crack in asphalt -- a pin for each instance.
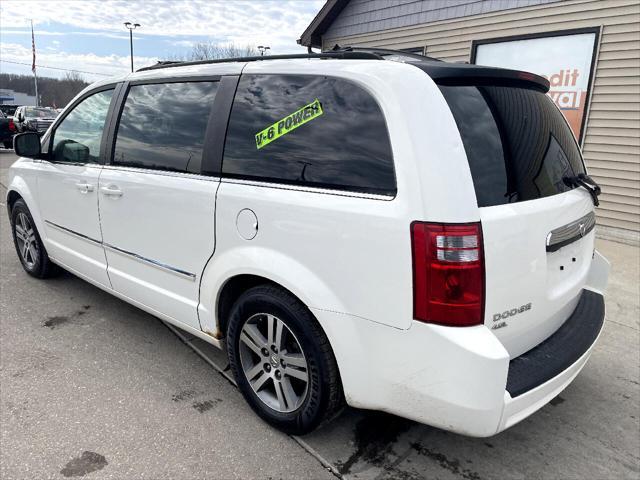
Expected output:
(223, 371)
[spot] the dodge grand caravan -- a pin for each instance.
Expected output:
(396, 232)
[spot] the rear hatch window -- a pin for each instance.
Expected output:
(518, 144)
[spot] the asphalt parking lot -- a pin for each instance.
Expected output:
(91, 387)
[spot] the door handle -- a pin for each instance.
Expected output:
(111, 190)
(85, 187)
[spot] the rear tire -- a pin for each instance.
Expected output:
(29, 247)
(8, 145)
(289, 377)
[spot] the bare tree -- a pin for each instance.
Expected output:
(75, 81)
(212, 51)
(54, 92)
(73, 76)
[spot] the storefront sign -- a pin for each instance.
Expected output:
(565, 59)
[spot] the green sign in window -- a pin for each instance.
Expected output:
(289, 123)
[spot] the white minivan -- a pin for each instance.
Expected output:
(360, 226)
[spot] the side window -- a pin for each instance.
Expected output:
(309, 130)
(163, 126)
(77, 138)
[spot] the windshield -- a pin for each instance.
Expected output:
(40, 112)
(518, 144)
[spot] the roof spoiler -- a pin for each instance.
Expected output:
(465, 74)
(448, 73)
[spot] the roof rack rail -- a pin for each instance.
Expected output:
(383, 52)
(345, 55)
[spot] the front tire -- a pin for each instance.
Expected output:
(282, 360)
(8, 145)
(29, 246)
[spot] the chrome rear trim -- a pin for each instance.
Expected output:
(569, 233)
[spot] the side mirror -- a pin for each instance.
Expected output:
(27, 145)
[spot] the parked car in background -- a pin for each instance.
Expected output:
(410, 236)
(8, 110)
(7, 130)
(34, 119)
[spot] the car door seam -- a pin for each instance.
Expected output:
(106, 259)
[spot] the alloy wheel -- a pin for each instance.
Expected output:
(273, 362)
(27, 241)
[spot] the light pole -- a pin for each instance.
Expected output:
(263, 49)
(131, 27)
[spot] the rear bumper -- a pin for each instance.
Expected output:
(458, 379)
(539, 375)
(564, 348)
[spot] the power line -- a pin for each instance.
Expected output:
(57, 68)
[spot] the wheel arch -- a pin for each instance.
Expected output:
(241, 267)
(231, 290)
(234, 286)
(12, 197)
(17, 189)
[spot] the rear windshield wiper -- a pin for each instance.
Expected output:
(585, 181)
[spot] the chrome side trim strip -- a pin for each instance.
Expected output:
(164, 173)
(307, 188)
(75, 234)
(561, 236)
(154, 263)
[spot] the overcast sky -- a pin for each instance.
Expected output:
(89, 35)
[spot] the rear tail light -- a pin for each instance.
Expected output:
(448, 273)
(12, 126)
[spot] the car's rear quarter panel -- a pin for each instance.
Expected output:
(338, 253)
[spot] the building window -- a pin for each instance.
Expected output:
(569, 69)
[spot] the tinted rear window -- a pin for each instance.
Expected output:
(518, 144)
(309, 130)
(162, 126)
